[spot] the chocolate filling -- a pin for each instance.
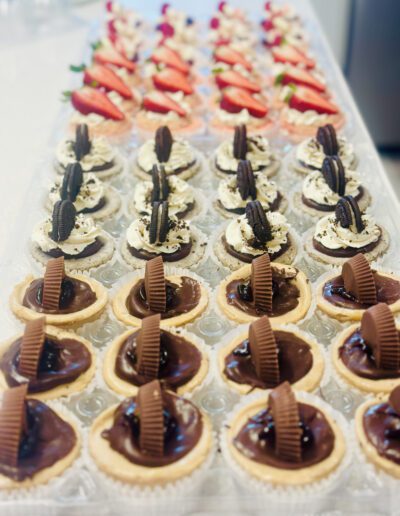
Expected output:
(248, 258)
(294, 357)
(89, 250)
(345, 252)
(358, 358)
(285, 295)
(46, 440)
(75, 295)
(181, 298)
(179, 361)
(176, 171)
(328, 207)
(180, 214)
(62, 361)
(381, 425)
(183, 427)
(98, 206)
(256, 439)
(387, 291)
(181, 253)
(239, 211)
(96, 168)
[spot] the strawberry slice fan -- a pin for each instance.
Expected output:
(111, 56)
(89, 100)
(159, 102)
(169, 58)
(172, 80)
(305, 99)
(291, 55)
(229, 56)
(100, 76)
(233, 78)
(234, 100)
(300, 77)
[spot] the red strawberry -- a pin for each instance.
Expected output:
(221, 6)
(304, 99)
(267, 25)
(233, 78)
(109, 6)
(290, 54)
(227, 55)
(103, 77)
(172, 80)
(113, 57)
(235, 99)
(299, 76)
(214, 23)
(166, 29)
(88, 100)
(169, 57)
(159, 102)
(222, 42)
(276, 42)
(164, 8)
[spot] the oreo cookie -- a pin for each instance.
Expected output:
(348, 213)
(240, 142)
(258, 222)
(82, 143)
(163, 143)
(160, 190)
(245, 180)
(334, 174)
(159, 222)
(63, 220)
(326, 136)
(72, 182)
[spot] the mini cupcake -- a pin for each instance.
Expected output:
(52, 362)
(347, 294)
(161, 234)
(263, 357)
(367, 356)
(65, 300)
(253, 234)
(311, 152)
(75, 237)
(37, 443)
(178, 193)
(280, 291)
(346, 233)
(235, 192)
(322, 190)
(94, 154)
(178, 298)
(167, 439)
(254, 148)
(140, 356)
(174, 154)
(89, 195)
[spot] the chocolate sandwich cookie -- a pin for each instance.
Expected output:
(240, 142)
(63, 220)
(71, 183)
(82, 144)
(36, 443)
(326, 136)
(245, 180)
(160, 190)
(163, 143)
(334, 174)
(166, 439)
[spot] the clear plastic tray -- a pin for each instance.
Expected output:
(364, 491)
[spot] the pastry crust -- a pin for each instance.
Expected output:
(116, 465)
(299, 132)
(279, 476)
(121, 311)
(239, 316)
(308, 383)
(45, 475)
(363, 203)
(367, 447)
(363, 384)
(65, 389)
(347, 314)
(125, 388)
(74, 319)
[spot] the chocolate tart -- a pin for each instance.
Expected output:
(152, 469)
(273, 469)
(236, 314)
(77, 353)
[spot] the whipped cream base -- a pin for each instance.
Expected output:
(332, 235)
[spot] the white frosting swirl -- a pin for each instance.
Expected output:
(311, 153)
(100, 154)
(182, 156)
(90, 194)
(83, 234)
(239, 234)
(259, 154)
(332, 235)
(229, 195)
(179, 198)
(317, 189)
(309, 117)
(243, 117)
(138, 236)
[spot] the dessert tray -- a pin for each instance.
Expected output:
(219, 485)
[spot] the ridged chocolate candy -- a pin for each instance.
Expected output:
(72, 182)
(31, 348)
(160, 190)
(52, 283)
(378, 329)
(82, 143)
(148, 347)
(258, 222)
(159, 222)
(154, 284)
(63, 220)
(326, 136)
(240, 142)
(12, 423)
(334, 174)
(245, 180)
(264, 352)
(151, 418)
(359, 279)
(261, 282)
(348, 213)
(163, 143)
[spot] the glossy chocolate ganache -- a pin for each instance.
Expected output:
(381, 424)
(182, 297)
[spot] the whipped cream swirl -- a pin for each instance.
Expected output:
(179, 198)
(309, 117)
(259, 153)
(317, 189)
(230, 198)
(101, 153)
(232, 119)
(311, 153)
(182, 156)
(90, 194)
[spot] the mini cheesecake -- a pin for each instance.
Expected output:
(263, 357)
(179, 299)
(65, 299)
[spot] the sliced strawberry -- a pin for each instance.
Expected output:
(235, 99)
(89, 100)
(233, 78)
(169, 57)
(299, 76)
(304, 99)
(290, 54)
(214, 23)
(113, 57)
(103, 77)
(172, 80)
(227, 55)
(267, 25)
(159, 102)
